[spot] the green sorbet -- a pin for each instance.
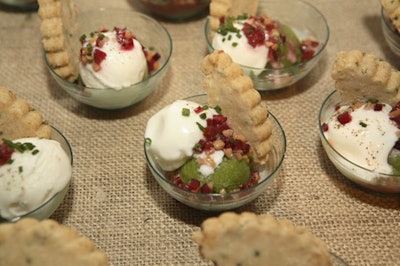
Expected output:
(229, 175)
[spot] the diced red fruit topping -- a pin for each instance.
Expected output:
(344, 118)
(206, 189)
(395, 114)
(99, 56)
(307, 54)
(325, 127)
(255, 178)
(378, 107)
(255, 34)
(194, 185)
(124, 38)
(198, 109)
(5, 153)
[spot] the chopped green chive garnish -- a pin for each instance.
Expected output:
(197, 147)
(203, 116)
(83, 37)
(185, 112)
(234, 44)
(21, 147)
(20, 169)
(217, 109)
(205, 107)
(227, 27)
(200, 126)
(363, 124)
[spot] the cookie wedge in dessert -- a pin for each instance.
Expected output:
(60, 36)
(228, 87)
(18, 119)
(45, 243)
(229, 8)
(250, 239)
(392, 8)
(360, 75)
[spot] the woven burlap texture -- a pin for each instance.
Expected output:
(113, 197)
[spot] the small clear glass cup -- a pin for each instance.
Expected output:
(48, 208)
(148, 31)
(373, 180)
(222, 202)
(306, 20)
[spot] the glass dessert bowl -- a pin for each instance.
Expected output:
(46, 209)
(364, 176)
(390, 33)
(302, 20)
(175, 10)
(150, 34)
(208, 200)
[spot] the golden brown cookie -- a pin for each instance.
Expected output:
(60, 36)
(46, 243)
(362, 76)
(250, 239)
(230, 8)
(227, 87)
(392, 9)
(18, 119)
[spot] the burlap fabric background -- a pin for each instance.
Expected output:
(115, 200)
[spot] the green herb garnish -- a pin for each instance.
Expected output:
(82, 38)
(21, 147)
(200, 126)
(185, 112)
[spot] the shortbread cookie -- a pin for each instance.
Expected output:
(227, 87)
(46, 243)
(229, 8)
(18, 119)
(247, 239)
(392, 9)
(60, 36)
(362, 76)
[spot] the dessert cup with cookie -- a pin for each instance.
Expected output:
(35, 162)
(220, 150)
(359, 121)
(105, 58)
(277, 43)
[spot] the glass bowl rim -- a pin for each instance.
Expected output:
(135, 14)
(321, 131)
(270, 175)
(316, 55)
(70, 153)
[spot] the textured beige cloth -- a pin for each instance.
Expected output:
(115, 200)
